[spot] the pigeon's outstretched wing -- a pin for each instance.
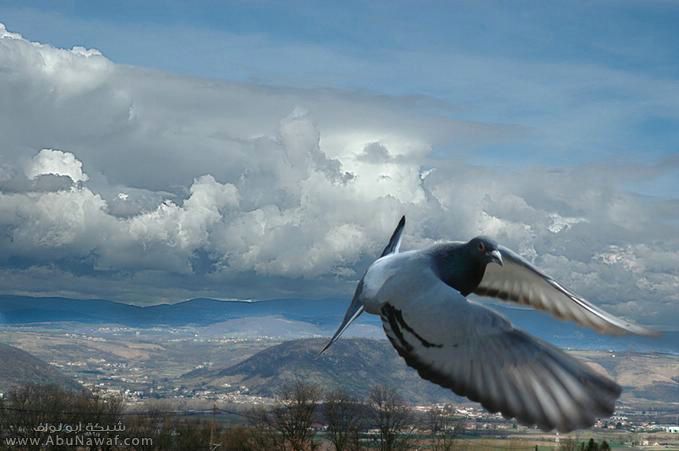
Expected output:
(519, 281)
(478, 354)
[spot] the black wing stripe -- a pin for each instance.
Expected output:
(391, 311)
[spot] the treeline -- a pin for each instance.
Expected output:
(303, 417)
(303, 414)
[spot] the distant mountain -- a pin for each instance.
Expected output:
(353, 364)
(259, 326)
(290, 318)
(201, 311)
(19, 367)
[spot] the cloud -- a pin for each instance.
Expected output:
(204, 188)
(56, 162)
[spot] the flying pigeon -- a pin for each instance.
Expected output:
(420, 297)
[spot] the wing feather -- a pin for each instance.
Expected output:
(394, 244)
(477, 353)
(519, 281)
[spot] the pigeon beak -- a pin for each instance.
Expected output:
(496, 257)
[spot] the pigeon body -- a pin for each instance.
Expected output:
(420, 297)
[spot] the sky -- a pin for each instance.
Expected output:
(158, 151)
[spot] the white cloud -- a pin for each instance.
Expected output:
(205, 188)
(4, 34)
(56, 162)
(560, 223)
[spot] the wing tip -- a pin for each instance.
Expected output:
(395, 240)
(647, 331)
(628, 328)
(325, 348)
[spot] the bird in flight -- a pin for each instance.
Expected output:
(420, 297)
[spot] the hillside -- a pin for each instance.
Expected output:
(20, 367)
(353, 364)
(359, 364)
(645, 377)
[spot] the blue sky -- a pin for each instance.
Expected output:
(541, 66)
(264, 149)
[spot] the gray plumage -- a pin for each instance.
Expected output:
(473, 350)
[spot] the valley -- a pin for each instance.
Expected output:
(243, 354)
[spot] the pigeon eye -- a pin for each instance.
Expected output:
(482, 247)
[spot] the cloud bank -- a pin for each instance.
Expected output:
(137, 185)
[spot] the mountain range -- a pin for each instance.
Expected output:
(290, 318)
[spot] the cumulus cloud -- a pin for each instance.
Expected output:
(196, 187)
(56, 162)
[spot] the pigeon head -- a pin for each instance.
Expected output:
(484, 250)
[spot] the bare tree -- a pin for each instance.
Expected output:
(156, 422)
(265, 434)
(288, 424)
(28, 406)
(294, 417)
(444, 428)
(391, 417)
(343, 415)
